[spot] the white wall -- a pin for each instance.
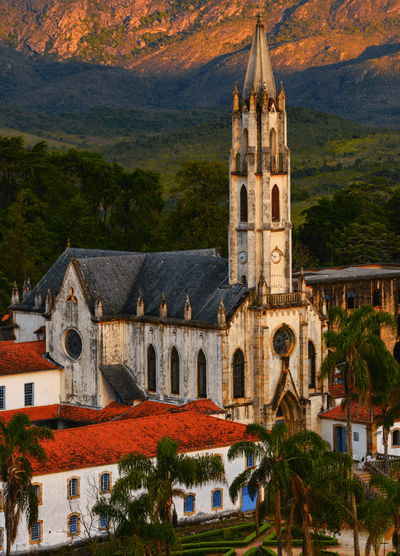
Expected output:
(56, 507)
(359, 447)
(47, 388)
(27, 324)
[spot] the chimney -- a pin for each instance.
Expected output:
(98, 307)
(221, 314)
(163, 307)
(187, 310)
(140, 305)
(15, 295)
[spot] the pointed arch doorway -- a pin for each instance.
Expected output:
(289, 412)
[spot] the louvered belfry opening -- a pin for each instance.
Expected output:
(243, 204)
(275, 204)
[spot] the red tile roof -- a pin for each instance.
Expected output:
(338, 391)
(23, 357)
(207, 407)
(39, 413)
(359, 413)
(107, 443)
(76, 413)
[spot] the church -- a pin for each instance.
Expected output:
(176, 327)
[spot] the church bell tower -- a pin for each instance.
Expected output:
(260, 229)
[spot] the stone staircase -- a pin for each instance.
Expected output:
(365, 476)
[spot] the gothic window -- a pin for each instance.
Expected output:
(275, 204)
(245, 142)
(283, 341)
(376, 298)
(311, 365)
(238, 162)
(350, 300)
(151, 369)
(280, 162)
(73, 344)
(243, 204)
(174, 371)
(238, 374)
(201, 375)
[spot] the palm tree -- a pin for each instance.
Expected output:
(283, 464)
(354, 348)
(162, 480)
(19, 446)
(382, 514)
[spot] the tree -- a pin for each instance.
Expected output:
(354, 348)
(201, 213)
(283, 465)
(149, 516)
(19, 446)
(382, 514)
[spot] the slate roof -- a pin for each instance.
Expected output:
(348, 273)
(24, 357)
(177, 276)
(122, 381)
(107, 443)
(113, 278)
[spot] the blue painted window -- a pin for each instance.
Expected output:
(2, 397)
(105, 482)
(340, 439)
(73, 524)
(250, 460)
(35, 532)
(216, 499)
(396, 438)
(104, 522)
(189, 504)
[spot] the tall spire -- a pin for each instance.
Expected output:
(259, 68)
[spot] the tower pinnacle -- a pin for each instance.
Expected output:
(259, 68)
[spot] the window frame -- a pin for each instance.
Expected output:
(105, 527)
(40, 540)
(32, 394)
(193, 511)
(275, 204)
(78, 524)
(1, 538)
(243, 205)
(2, 397)
(151, 369)
(40, 492)
(78, 488)
(174, 369)
(356, 436)
(312, 384)
(251, 465)
(397, 432)
(238, 390)
(109, 482)
(201, 375)
(220, 507)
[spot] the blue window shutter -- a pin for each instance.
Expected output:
(189, 503)
(217, 499)
(250, 460)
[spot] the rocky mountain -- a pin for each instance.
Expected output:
(341, 56)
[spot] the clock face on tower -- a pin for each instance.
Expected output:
(243, 257)
(276, 256)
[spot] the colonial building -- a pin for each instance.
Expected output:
(176, 327)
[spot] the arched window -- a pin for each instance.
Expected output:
(216, 499)
(311, 365)
(280, 162)
(243, 204)
(238, 162)
(376, 298)
(350, 300)
(151, 369)
(245, 142)
(174, 371)
(188, 505)
(105, 483)
(275, 204)
(73, 488)
(73, 525)
(238, 374)
(272, 138)
(395, 438)
(201, 375)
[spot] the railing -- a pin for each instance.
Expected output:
(275, 299)
(370, 493)
(379, 466)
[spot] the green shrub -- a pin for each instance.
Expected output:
(202, 551)
(226, 536)
(267, 551)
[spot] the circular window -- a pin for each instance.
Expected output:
(283, 341)
(73, 344)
